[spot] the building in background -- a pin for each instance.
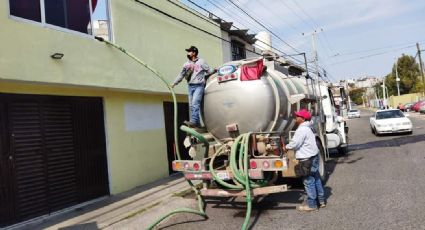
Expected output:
(237, 44)
(366, 82)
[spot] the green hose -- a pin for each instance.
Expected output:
(201, 211)
(239, 150)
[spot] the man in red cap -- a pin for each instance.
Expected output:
(307, 153)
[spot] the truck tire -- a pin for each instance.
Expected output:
(322, 165)
(343, 150)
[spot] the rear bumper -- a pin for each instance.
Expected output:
(222, 174)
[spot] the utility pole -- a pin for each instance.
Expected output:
(397, 79)
(307, 76)
(316, 58)
(383, 88)
(422, 70)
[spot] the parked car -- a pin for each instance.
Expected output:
(352, 113)
(390, 121)
(422, 109)
(408, 106)
(417, 105)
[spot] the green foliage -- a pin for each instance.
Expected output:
(378, 90)
(408, 72)
(356, 95)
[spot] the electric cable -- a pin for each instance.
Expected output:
(211, 34)
(265, 27)
(371, 55)
(234, 15)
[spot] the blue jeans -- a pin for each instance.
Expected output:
(313, 185)
(196, 92)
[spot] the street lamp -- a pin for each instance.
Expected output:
(397, 79)
(383, 94)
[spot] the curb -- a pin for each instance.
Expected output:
(115, 209)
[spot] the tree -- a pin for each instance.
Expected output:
(408, 72)
(356, 95)
(378, 89)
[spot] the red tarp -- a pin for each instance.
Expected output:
(252, 71)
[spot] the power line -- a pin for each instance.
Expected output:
(295, 13)
(191, 12)
(372, 55)
(285, 55)
(265, 27)
(236, 28)
(191, 25)
(315, 25)
(374, 49)
(282, 52)
(271, 11)
(211, 34)
(242, 22)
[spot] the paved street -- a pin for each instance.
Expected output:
(380, 184)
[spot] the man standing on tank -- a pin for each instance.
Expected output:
(195, 71)
(305, 146)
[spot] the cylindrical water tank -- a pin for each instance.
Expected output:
(264, 41)
(261, 105)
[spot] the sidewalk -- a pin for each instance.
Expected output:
(112, 210)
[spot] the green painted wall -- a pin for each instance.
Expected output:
(91, 68)
(154, 38)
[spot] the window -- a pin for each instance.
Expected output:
(84, 16)
(389, 114)
(238, 51)
(28, 9)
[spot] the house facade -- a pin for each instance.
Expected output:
(79, 119)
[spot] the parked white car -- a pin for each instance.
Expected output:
(353, 113)
(390, 121)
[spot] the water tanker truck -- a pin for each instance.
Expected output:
(248, 113)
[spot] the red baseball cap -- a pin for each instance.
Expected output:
(304, 114)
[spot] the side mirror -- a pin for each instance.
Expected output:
(324, 97)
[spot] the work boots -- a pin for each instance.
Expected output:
(305, 208)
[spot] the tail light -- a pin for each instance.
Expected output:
(196, 167)
(253, 164)
(177, 166)
(186, 165)
(278, 164)
(266, 164)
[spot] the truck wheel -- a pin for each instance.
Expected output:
(322, 165)
(343, 150)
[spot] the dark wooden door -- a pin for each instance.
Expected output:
(183, 114)
(53, 152)
(6, 190)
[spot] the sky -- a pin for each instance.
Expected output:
(100, 10)
(356, 38)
